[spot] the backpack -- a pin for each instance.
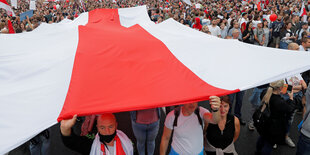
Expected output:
(261, 118)
(177, 114)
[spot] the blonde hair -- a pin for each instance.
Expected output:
(276, 85)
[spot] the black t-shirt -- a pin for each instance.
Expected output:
(220, 139)
(76, 143)
(280, 110)
(276, 27)
(250, 39)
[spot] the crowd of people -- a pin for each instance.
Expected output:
(245, 20)
(214, 131)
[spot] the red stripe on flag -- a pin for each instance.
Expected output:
(10, 27)
(122, 69)
(4, 1)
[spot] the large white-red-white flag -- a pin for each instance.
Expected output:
(113, 60)
(4, 5)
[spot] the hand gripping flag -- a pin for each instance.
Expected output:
(4, 5)
(113, 60)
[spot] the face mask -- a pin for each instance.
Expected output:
(106, 138)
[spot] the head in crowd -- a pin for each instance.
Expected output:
(204, 22)
(249, 26)
(259, 24)
(244, 15)
(305, 42)
(159, 19)
(265, 23)
(273, 87)
(205, 29)
(214, 22)
(225, 105)
(106, 125)
(4, 30)
(190, 107)
(235, 34)
(2, 25)
(236, 25)
(197, 21)
(222, 26)
(232, 23)
(288, 26)
(304, 34)
(279, 19)
(293, 46)
(304, 25)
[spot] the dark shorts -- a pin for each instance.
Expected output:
(276, 40)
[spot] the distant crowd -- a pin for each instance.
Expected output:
(193, 129)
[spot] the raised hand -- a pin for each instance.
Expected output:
(215, 102)
(66, 125)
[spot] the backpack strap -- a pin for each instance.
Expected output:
(199, 118)
(175, 122)
(176, 114)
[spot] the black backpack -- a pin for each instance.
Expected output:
(177, 114)
(261, 118)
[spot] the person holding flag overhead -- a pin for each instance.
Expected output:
(185, 126)
(108, 140)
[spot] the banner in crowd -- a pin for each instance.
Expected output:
(24, 15)
(32, 5)
(114, 60)
(188, 2)
(14, 3)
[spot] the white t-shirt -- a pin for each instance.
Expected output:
(188, 135)
(301, 48)
(215, 31)
(294, 80)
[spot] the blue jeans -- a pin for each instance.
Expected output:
(238, 105)
(39, 144)
(283, 45)
(255, 97)
(303, 145)
(145, 133)
(263, 147)
(172, 152)
(255, 100)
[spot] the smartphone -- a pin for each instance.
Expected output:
(289, 88)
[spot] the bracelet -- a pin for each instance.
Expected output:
(214, 110)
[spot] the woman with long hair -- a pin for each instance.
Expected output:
(266, 32)
(221, 137)
(275, 130)
(286, 36)
(231, 24)
(248, 34)
(223, 30)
